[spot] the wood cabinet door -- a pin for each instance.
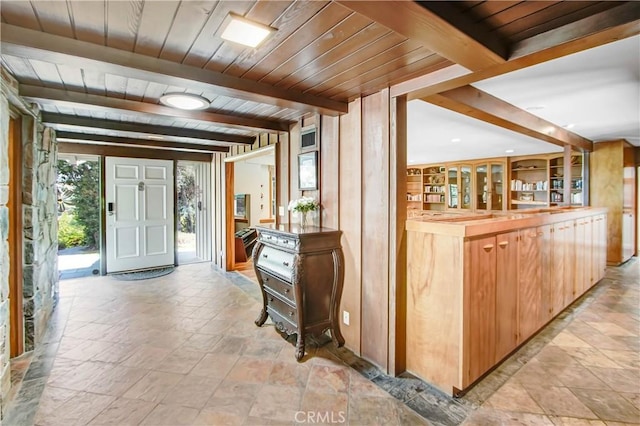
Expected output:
(529, 283)
(600, 246)
(480, 306)
(545, 245)
(506, 294)
(628, 235)
(557, 267)
(581, 259)
(570, 262)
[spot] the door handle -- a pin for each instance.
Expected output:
(110, 209)
(488, 247)
(200, 205)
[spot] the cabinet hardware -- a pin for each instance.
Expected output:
(488, 247)
(285, 263)
(285, 241)
(286, 290)
(540, 234)
(271, 299)
(503, 244)
(268, 237)
(290, 313)
(266, 279)
(265, 255)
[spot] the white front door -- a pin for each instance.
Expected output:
(140, 223)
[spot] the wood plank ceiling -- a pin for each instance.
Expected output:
(111, 61)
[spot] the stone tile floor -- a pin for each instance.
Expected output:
(183, 349)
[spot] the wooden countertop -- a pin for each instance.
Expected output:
(478, 224)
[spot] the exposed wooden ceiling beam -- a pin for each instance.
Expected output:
(622, 20)
(71, 99)
(26, 43)
(475, 103)
(436, 34)
(127, 151)
(61, 121)
(84, 138)
(605, 27)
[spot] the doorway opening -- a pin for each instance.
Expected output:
(78, 192)
(193, 181)
(253, 196)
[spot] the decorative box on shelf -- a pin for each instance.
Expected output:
(300, 271)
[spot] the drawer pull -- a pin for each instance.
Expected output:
(266, 279)
(488, 247)
(285, 241)
(540, 234)
(285, 263)
(268, 237)
(286, 290)
(271, 299)
(265, 255)
(290, 313)
(503, 244)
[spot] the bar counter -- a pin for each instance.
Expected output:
(479, 285)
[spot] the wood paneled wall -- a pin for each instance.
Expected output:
(613, 185)
(361, 160)
(375, 227)
(330, 172)
(350, 219)
(362, 164)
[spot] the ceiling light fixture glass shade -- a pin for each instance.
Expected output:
(245, 32)
(186, 101)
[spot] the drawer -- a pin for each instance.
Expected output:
(279, 288)
(276, 261)
(281, 308)
(286, 242)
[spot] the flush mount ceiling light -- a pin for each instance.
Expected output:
(509, 151)
(184, 101)
(243, 31)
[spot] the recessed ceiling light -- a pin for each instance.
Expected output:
(510, 151)
(535, 107)
(454, 140)
(569, 126)
(186, 101)
(244, 31)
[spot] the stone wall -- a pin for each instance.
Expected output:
(40, 228)
(40, 221)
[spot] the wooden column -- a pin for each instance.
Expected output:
(397, 236)
(566, 172)
(16, 317)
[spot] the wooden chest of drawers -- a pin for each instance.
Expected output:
(300, 272)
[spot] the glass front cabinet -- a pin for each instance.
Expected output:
(489, 186)
(459, 187)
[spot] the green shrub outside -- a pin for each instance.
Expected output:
(80, 184)
(70, 233)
